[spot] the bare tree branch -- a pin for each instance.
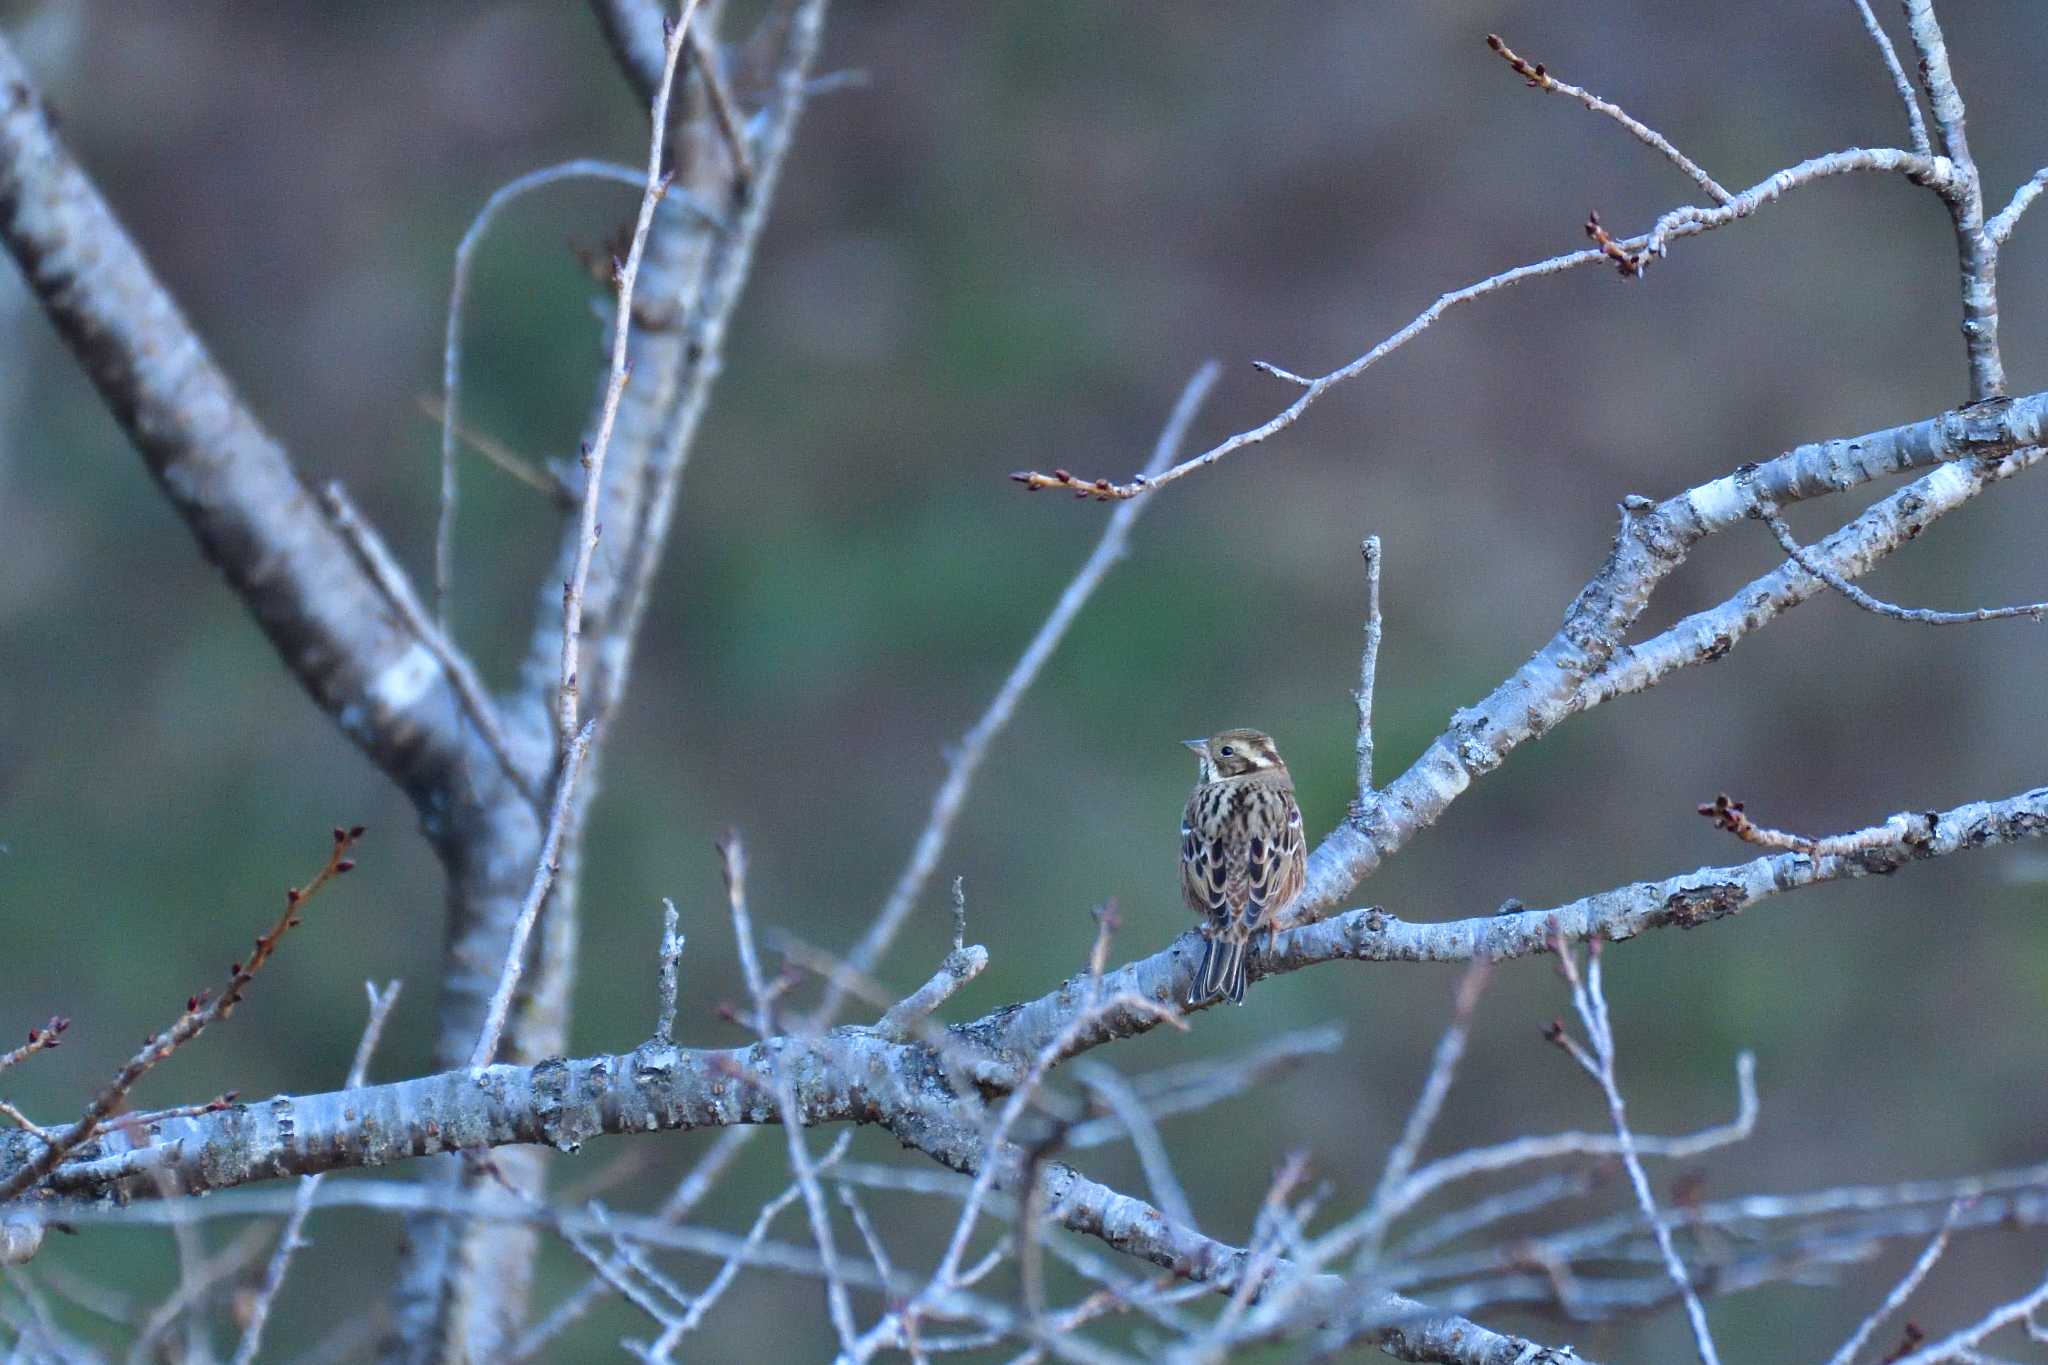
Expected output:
(967, 757)
(676, 34)
(1914, 123)
(1678, 223)
(1963, 191)
(1540, 79)
(224, 474)
(258, 1313)
(1591, 1003)
(1767, 513)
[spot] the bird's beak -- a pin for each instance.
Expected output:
(1200, 746)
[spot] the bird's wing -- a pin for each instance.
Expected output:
(1204, 861)
(1272, 855)
(1290, 860)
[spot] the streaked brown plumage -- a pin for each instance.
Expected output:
(1242, 855)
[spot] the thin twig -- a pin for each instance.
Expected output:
(382, 567)
(504, 457)
(24, 1122)
(966, 758)
(1683, 222)
(1368, 666)
(733, 858)
(203, 1277)
(709, 323)
(723, 111)
(1767, 513)
(2000, 228)
(737, 1262)
(451, 347)
(190, 1243)
(689, 1192)
(38, 1039)
(876, 1251)
(1198, 1085)
(201, 1010)
(671, 958)
(1523, 1199)
(1540, 78)
(1123, 1102)
(1443, 1069)
(657, 182)
(1887, 525)
(1591, 1004)
(1953, 1347)
(536, 896)
(1729, 814)
(1901, 1291)
(961, 966)
(1914, 122)
(258, 1311)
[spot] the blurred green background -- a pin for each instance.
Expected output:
(1010, 249)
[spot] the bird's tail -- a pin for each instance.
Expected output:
(1222, 971)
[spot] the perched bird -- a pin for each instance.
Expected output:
(1242, 855)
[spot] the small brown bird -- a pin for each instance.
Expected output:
(1242, 855)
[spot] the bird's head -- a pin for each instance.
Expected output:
(1233, 753)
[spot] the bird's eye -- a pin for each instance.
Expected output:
(1227, 751)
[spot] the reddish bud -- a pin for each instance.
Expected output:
(291, 895)
(339, 834)
(355, 831)
(345, 865)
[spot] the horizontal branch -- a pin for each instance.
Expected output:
(856, 1075)
(1371, 935)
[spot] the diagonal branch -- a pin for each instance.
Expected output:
(1767, 513)
(224, 474)
(1653, 541)
(1887, 525)
(1539, 78)
(1689, 221)
(1915, 124)
(966, 761)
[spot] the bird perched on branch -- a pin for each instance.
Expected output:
(1242, 855)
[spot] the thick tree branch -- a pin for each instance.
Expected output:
(1963, 192)
(1653, 541)
(1886, 525)
(855, 1074)
(227, 477)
